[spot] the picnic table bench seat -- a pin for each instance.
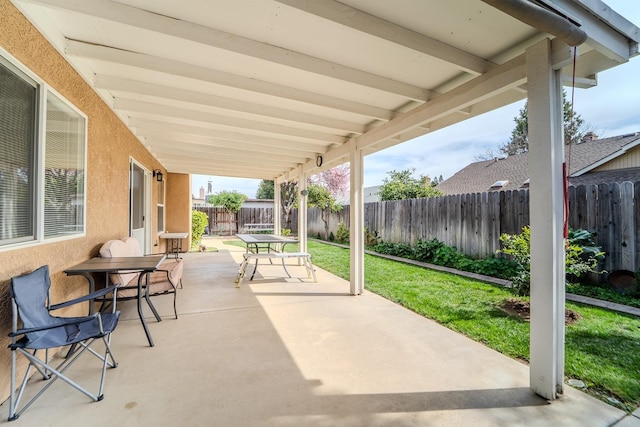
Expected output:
(248, 256)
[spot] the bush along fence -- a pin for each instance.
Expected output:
(473, 223)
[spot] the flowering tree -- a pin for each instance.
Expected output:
(321, 198)
(336, 180)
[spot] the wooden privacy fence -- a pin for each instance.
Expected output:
(474, 222)
(221, 222)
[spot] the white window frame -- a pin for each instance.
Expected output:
(43, 89)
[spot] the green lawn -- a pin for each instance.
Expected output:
(602, 347)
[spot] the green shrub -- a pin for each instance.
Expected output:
(496, 267)
(448, 256)
(517, 246)
(371, 238)
(199, 221)
(425, 250)
(402, 250)
(581, 256)
(285, 232)
(342, 233)
(435, 252)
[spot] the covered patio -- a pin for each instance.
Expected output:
(293, 353)
(280, 90)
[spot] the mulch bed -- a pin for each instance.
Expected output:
(522, 310)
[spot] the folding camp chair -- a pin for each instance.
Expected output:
(41, 331)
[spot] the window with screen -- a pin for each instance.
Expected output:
(63, 169)
(42, 158)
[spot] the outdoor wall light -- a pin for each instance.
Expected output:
(158, 174)
(304, 192)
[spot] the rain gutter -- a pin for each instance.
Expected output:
(543, 18)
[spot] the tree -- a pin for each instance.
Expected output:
(288, 199)
(320, 197)
(265, 190)
(519, 142)
(231, 201)
(491, 153)
(336, 180)
(437, 180)
(403, 185)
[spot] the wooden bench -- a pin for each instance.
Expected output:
(247, 257)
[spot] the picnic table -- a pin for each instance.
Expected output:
(269, 246)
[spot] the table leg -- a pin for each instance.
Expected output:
(255, 268)
(140, 313)
(285, 268)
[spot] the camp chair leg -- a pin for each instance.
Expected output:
(57, 373)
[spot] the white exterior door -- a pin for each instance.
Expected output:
(139, 224)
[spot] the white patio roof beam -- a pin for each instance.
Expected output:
(140, 60)
(256, 160)
(497, 81)
(358, 20)
(194, 145)
(119, 84)
(139, 18)
(213, 138)
(212, 118)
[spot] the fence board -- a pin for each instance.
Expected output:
(627, 228)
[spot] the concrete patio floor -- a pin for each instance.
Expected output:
(296, 353)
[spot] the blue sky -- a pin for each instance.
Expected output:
(611, 108)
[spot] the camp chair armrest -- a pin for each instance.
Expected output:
(94, 295)
(71, 321)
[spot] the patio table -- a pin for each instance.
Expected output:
(142, 264)
(269, 242)
(174, 242)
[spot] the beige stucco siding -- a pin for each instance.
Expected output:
(110, 147)
(179, 206)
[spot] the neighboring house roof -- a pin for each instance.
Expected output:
(481, 176)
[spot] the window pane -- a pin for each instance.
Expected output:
(137, 197)
(18, 107)
(160, 212)
(64, 169)
(160, 218)
(160, 192)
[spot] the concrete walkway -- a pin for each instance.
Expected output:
(296, 353)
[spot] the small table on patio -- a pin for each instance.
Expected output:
(174, 242)
(270, 242)
(143, 264)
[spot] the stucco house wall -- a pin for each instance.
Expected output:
(178, 206)
(110, 147)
